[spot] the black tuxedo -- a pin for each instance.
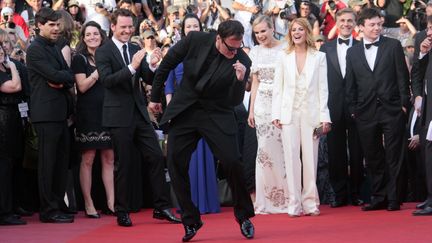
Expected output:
(203, 106)
(49, 109)
(375, 98)
(125, 114)
(421, 73)
(343, 133)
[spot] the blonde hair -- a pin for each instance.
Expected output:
(263, 18)
(310, 43)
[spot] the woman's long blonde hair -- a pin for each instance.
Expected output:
(310, 44)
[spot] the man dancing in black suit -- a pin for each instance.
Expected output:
(378, 96)
(215, 70)
(120, 64)
(50, 78)
(344, 133)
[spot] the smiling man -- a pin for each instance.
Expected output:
(343, 137)
(215, 71)
(50, 78)
(377, 90)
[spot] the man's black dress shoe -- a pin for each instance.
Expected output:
(123, 219)
(337, 204)
(56, 218)
(422, 205)
(427, 211)
(165, 214)
(191, 230)
(374, 206)
(246, 228)
(12, 220)
(357, 202)
(22, 212)
(393, 206)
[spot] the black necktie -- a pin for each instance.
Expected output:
(340, 41)
(125, 55)
(376, 43)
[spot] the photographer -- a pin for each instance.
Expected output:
(245, 11)
(155, 10)
(392, 11)
(170, 34)
(282, 12)
(6, 23)
(328, 13)
(305, 12)
(213, 15)
(418, 12)
(17, 19)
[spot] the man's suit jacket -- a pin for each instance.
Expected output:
(336, 83)
(122, 92)
(45, 64)
(220, 94)
(387, 84)
(284, 88)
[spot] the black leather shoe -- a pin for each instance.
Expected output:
(357, 202)
(165, 214)
(427, 211)
(191, 231)
(56, 218)
(374, 206)
(22, 212)
(338, 204)
(422, 205)
(123, 219)
(393, 206)
(247, 229)
(12, 220)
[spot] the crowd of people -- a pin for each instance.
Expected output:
(252, 91)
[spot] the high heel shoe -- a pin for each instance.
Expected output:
(93, 215)
(108, 211)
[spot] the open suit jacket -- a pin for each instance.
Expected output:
(45, 64)
(122, 91)
(387, 84)
(209, 90)
(316, 95)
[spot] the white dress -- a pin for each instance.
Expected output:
(271, 184)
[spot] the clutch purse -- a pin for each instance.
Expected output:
(318, 132)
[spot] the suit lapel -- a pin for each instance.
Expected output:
(117, 55)
(309, 67)
(292, 69)
(381, 49)
(333, 56)
(362, 55)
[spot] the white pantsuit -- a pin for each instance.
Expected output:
(300, 104)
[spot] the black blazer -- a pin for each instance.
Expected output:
(388, 84)
(122, 91)
(218, 96)
(336, 83)
(45, 63)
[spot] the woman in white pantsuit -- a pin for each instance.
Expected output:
(299, 105)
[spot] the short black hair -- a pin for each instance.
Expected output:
(190, 16)
(120, 12)
(46, 14)
(368, 13)
(231, 28)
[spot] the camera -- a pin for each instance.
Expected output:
(6, 17)
(19, 52)
(332, 4)
(286, 13)
(157, 9)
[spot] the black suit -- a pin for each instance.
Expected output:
(125, 114)
(49, 109)
(376, 98)
(203, 107)
(421, 72)
(343, 132)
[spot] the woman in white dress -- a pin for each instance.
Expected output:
(271, 188)
(299, 106)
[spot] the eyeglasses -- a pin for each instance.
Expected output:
(150, 37)
(230, 48)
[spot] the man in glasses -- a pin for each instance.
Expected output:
(215, 71)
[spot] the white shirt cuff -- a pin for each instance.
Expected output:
(131, 69)
(421, 55)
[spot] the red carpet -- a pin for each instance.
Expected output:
(347, 224)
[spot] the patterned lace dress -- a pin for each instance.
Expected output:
(271, 187)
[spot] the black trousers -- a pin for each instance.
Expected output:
(382, 143)
(428, 167)
(53, 164)
(184, 132)
(345, 158)
(143, 136)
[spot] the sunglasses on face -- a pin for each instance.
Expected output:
(232, 49)
(150, 38)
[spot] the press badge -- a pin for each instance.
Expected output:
(23, 109)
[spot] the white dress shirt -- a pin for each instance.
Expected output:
(371, 52)
(119, 46)
(341, 53)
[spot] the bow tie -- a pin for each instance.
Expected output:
(376, 43)
(341, 41)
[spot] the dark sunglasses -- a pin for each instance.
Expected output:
(150, 37)
(232, 49)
